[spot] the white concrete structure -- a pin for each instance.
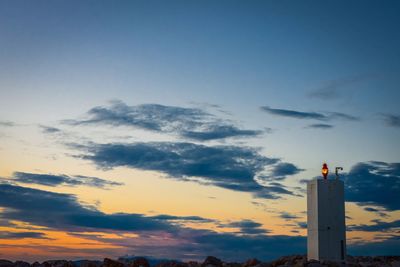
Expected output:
(326, 227)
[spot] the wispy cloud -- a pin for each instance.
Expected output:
(294, 114)
(321, 116)
(334, 89)
(172, 218)
(7, 123)
(320, 126)
(50, 130)
(6, 223)
(248, 227)
(342, 116)
(189, 123)
(302, 225)
(214, 132)
(22, 235)
(377, 226)
(62, 179)
(391, 120)
(288, 216)
(381, 213)
(231, 167)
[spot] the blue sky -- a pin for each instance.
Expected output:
(100, 93)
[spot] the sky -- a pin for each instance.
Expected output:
(181, 129)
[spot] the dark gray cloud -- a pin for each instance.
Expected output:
(197, 244)
(302, 225)
(248, 227)
(219, 132)
(320, 126)
(230, 167)
(61, 179)
(391, 120)
(283, 169)
(22, 235)
(294, 114)
(192, 123)
(371, 209)
(374, 183)
(64, 212)
(377, 211)
(50, 130)
(288, 216)
(6, 223)
(321, 116)
(389, 246)
(165, 217)
(377, 226)
(237, 248)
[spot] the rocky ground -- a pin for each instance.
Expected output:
(295, 260)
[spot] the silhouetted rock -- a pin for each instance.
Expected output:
(6, 263)
(35, 264)
(231, 264)
(251, 263)
(193, 264)
(213, 261)
(331, 263)
(139, 262)
(172, 264)
(210, 261)
(263, 264)
(21, 264)
(314, 263)
(57, 263)
(112, 263)
(293, 260)
(87, 263)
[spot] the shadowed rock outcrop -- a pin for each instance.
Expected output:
(251, 263)
(172, 264)
(140, 262)
(6, 263)
(112, 263)
(211, 261)
(58, 263)
(21, 264)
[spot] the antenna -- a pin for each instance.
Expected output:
(337, 169)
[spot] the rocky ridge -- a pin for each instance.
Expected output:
(210, 261)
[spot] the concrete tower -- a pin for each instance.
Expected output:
(326, 220)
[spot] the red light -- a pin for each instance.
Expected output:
(325, 170)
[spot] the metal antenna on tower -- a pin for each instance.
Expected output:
(337, 169)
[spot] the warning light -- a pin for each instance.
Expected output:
(325, 170)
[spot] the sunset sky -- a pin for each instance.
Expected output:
(181, 129)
